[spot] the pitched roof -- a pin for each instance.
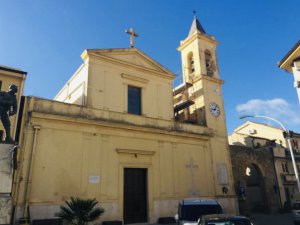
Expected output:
(287, 60)
(154, 64)
(10, 69)
(196, 26)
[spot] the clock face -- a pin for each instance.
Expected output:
(214, 109)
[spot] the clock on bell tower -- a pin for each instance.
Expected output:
(199, 101)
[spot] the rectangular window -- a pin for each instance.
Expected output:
(284, 167)
(295, 144)
(134, 100)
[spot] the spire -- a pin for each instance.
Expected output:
(196, 26)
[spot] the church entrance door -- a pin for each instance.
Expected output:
(135, 195)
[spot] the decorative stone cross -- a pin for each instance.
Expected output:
(192, 167)
(132, 35)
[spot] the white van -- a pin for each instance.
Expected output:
(190, 210)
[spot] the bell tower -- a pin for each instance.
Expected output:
(198, 100)
(202, 80)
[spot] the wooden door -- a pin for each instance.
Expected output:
(135, 195)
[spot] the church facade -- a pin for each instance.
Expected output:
(119, 132)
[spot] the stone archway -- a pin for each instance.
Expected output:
(255, 190)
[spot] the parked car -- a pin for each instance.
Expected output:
(224, 219)
(296, 212)
(190, 210)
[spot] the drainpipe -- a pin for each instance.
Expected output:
(279, 194)
(36, 128)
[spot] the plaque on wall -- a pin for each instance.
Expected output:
(222, 174)
(94, 179)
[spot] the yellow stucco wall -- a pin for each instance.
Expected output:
(75, 90)
(102, 80)
(261, 131)
(69, 148)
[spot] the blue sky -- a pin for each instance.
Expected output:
(45, 38)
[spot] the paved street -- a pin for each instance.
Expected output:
(277, 219)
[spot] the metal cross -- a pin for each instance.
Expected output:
(132, 35)
(192, 167)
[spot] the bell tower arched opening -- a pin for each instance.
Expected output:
(209, 63)
(191, 64)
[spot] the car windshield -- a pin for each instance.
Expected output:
(229, 222)
(296, 206)
(193, 212)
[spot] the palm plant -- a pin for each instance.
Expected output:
(80, 211)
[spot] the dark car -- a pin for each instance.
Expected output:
(224, 219)
(189, 210)
(296, 212)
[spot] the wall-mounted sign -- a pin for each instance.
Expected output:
(94, 179)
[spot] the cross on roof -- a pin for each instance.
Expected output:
(132, 35)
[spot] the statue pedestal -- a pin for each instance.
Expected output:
(5, 209)
(6, 174)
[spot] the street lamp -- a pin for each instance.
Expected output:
(288, 138)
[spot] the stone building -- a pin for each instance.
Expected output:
(255, 179)
(111, 134)
(270, 140)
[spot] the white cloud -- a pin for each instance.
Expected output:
(277, 108)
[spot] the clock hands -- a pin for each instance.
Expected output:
(214, 109)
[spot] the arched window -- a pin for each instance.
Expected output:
(191, 64)
(210, 67)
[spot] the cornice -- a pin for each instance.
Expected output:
(119, 125)
(208, 78)
(13, 74)
(135, 152)
(134, 78)
(189, 40)
(286, 62)
(130, 65)
(13, 70)
(86, 56)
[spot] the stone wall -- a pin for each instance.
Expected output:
(242, 157)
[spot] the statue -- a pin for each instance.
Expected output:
(8, 107)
